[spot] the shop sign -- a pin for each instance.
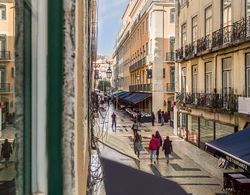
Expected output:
(236, 162)
(244, 103)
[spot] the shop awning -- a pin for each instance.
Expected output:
(124, 95)
(235, 148)
(136, 98)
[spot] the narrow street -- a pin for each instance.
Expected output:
(182, 169)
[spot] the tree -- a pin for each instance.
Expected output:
(103, 85)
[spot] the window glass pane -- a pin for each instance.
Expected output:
(209, 77)
(193, 132)
(2, 12)
(208, 20)
(247, 8)
(172, 15)
(194, 28)
(206, 130)
(223, 130)
(184, 34)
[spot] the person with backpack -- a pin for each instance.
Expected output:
(153, 144)
(6, 151)
(137, 144)
(167, 148)
(158, 137)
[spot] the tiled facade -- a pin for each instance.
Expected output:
(212, 69)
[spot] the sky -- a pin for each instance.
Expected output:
(109, 22)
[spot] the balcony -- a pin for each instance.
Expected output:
(227, 36)
(140, 87)
(137, 65)
(170, 87)
(170, 56)
(203, 44)
(224, 102)
(190, 50)
(4, 87)
(4, 55)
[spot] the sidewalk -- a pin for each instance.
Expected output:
(195, 170)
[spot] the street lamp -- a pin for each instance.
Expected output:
(109, 73)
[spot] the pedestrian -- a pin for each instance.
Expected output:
(139, 118)
(137, 144)
(135, 127)
(153, 118)
(113, 120)
(162, 118)
(167, 148)
(153, 147)
(6, 151)
(159, 115)
(158, 137)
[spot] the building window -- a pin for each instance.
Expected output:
(183, 80)
(183, 35)
(2, 44)
(171, 44)
(193, 132)
(247, 8)
(164, 72)
(172, 15)
(2, 74)
(208, 77)
(227, 75)
(147, 48)
(194, 78)
(227, 13)
(194, 28)
(247, 80)
(223, 130)
(208, 20)
(2, 12)
(147, 25)
(206, 130)
(172, 74)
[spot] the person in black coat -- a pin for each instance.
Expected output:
(167, 148)
(6, 151)
(153, 118)
(158, 137)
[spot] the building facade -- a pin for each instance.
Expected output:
(145, 52)
(212, 69)
(7, 62)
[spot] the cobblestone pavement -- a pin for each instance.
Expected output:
(182, 169)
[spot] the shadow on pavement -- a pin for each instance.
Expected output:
(120, 179)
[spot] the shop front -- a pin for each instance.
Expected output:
(199, 130)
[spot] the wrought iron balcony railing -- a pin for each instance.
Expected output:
(204, 44)
(170, 87)
(190, 50)
(170, 56)
(4, 55)
(140, 87)
(179, 53)
(222, 36)
(139, 64)
(227, 102)
(232, 34)
(4, 87)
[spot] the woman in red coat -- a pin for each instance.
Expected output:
(153, 144)
(167, 148)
